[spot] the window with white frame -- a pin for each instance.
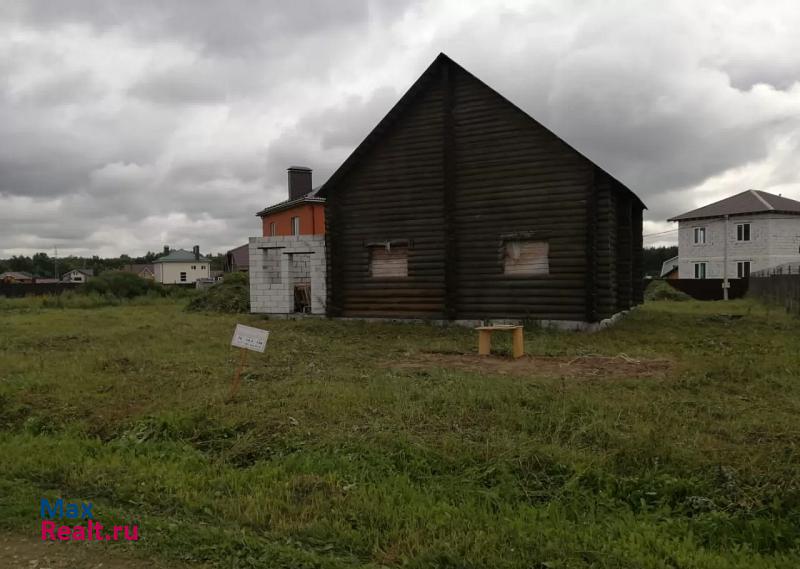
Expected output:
(699, 235)
(390, 261)
(183, 277)
(273, 229)
(527, 258)
(743, 269)
(700, 270)
(743, 232)
(295, 226)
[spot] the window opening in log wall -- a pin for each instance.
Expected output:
(527, 258)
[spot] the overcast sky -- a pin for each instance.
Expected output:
(127, 125)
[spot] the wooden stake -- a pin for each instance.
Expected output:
(518, 342)
(484, 342)
(237, 376)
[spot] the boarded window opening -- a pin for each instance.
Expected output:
(527, 258)
(389, 261)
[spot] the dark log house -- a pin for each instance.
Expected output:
(460, 206)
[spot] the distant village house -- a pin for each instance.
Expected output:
(181, 266)
(143, 270)
(238, 259)
(16, 277)
(77, 276)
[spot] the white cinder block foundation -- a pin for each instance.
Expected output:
(277, 264)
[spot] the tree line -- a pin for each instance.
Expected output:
(42, 265)
(654, 257)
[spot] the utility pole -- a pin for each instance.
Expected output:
(725, 283)
(55, 263)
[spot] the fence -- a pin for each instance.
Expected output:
(17, 290)
(709, 289)
(778, 285)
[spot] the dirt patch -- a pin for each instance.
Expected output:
(587, 367)
(24, 553)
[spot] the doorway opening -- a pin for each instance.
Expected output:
(300, 281)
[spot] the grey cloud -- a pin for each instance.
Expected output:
(230, 27)
(635, 95)
(182, 86)
(193, 133)
(72, 87)
(346, 125)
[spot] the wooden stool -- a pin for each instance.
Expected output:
(485, 338)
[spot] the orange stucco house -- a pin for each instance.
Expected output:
(287, 262)
(302, 214)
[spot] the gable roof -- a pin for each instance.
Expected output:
(749, 201)
(310, 197)
(138, 268)
(668, 266)
(240, 255)
(405, 101)
(180, 256)
(16, 275)
(85, 272)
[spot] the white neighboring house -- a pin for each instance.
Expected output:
(182, 267)
(77, 276)
(763, 232)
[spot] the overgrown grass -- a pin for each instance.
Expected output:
(83, 300)
(330, 457)
(658, 289)
(232, 295)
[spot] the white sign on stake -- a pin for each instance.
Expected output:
(250, 338)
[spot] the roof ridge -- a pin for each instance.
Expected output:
(761, 199)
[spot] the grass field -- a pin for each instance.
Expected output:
(669, 440)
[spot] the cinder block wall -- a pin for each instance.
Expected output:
(277, 263)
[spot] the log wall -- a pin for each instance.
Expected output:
(455, 176)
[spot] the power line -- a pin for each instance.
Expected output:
(662, 233)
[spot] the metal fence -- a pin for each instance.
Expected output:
(778, 285)
(709, 289)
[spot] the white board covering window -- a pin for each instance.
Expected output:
(389, 261)
(527, 258)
